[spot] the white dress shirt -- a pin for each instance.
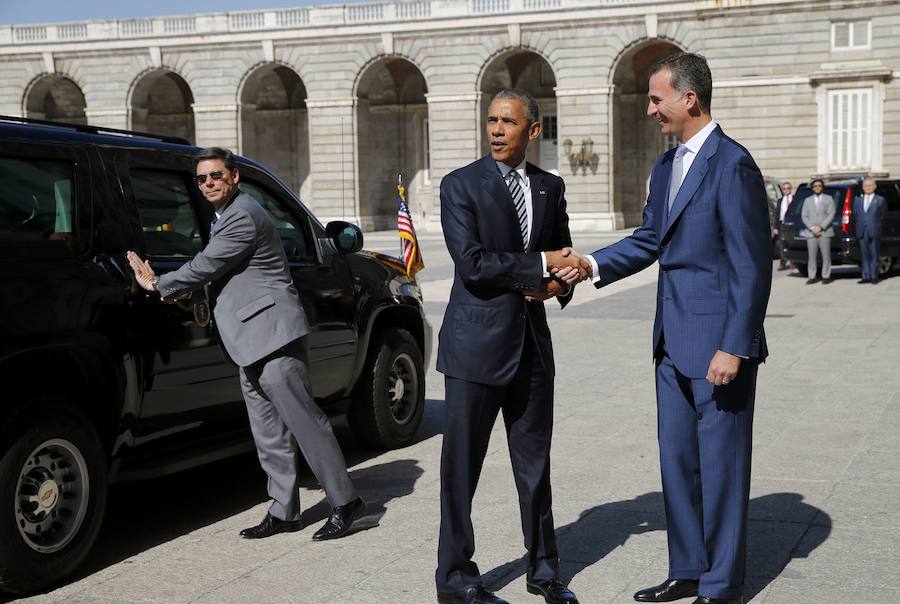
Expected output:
(693, 145)
(785, 204)
(867, 201)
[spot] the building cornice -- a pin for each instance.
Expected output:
(352, 21)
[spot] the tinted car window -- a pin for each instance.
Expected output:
(167, 216)
(291, 230)
(36, 199)
(888, 190)
(838, 193)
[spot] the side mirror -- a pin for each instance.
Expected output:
(346, 237)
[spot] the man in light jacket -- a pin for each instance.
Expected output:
(817, 216)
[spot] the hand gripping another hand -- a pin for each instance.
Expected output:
(568, 265)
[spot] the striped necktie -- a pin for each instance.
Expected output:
(518, 195)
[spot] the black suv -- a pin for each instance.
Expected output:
(844, 247)
(102, 382)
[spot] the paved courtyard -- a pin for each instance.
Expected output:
(824, 515)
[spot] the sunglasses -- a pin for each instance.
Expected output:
(217, 175)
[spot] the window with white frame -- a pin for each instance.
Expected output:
(851, 35)
(850, 128)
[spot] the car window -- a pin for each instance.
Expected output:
(292, 231)
(888, 190)
(836, 193)
(167, 216)
(36, 199)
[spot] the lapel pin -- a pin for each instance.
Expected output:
(542, 192)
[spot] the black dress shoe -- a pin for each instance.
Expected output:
(874, 282)
(811, 281)
(271, 526)
(668, 591)
(827, 281)
(341, 520)
(473, 595)
(553, 590)
(705, 600)
(863, 281)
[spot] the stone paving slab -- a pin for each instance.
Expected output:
(825, 495)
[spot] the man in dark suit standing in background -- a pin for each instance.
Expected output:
(706, 221)
(868, 215)
(784, 203)
(498, 214)
(263, 329)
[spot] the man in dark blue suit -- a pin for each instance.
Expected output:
(706, 222)
(498, 214)
(868, 216)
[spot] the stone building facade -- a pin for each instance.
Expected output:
(340, 99)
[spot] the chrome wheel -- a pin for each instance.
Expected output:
(52, 495)
(884, 264)
(403, 388)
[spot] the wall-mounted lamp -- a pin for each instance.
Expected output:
(581, 158)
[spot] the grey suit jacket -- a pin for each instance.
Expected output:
(822, 217)
(256, 307)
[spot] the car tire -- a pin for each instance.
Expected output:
(52, 499)
(885, 264)
(390, 396)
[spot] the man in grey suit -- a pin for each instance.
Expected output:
(868, 216)
(817, 215)
(263, 329)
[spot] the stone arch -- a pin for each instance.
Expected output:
(392, 137)
(636, 139)
(55, 97)
(528, 69)
(274, 124)
(161, 102)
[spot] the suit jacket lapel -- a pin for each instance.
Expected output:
(694, 177)
(498, 193)
(538, 205)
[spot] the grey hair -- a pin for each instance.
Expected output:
(532, 111)
(689, 71)
(869, 179)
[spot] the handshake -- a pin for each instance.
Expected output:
(568, 266)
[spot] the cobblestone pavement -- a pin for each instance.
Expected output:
(824, 515)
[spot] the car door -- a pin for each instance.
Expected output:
(890, 228)
(190, 392)
(51, 290)
(325, 285)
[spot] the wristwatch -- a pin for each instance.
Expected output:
(154, 282)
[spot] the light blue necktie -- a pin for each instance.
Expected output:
(677, 170)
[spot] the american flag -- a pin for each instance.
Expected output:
(409, 245)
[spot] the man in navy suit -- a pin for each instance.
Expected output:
(868, 215)
(498, 214)
(706, 222)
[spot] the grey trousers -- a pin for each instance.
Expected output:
(283, 415)
(815, 245)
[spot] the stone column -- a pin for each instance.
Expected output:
(216, 125)
(454, 123)
(108, 117)
(334, 159)
(584, 113)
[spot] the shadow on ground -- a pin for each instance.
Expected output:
(782, 527)
(142, 515)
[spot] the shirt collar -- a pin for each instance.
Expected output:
(504, 171)
(694, 143)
